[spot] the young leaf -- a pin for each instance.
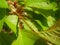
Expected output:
(12, 21)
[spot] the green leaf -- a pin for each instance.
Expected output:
(48, 15)
(31, 24)
(53, 33)
(44, 18)
(3, 13)
(2, 22)
(11, 21)
(25, 38)
(4, 38)
(42, 4)
(51, 21)
(3, 4)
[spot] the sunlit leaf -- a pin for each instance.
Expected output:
(3, 4)
(38, 25)
(11, 21)
(42, 4)
(25, 38)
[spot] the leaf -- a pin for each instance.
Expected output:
(53, 33)
(45, 18)
(25, 38)
(4, 38)
(41, 4)
(51, 21)
(49, 15)
(3, 4)
(3, 13)
(12, 21)
(31, 24)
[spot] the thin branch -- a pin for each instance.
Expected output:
(22, 18)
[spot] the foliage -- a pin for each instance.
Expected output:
(41, 28)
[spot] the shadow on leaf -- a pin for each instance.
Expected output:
(6, 39)
(41, 41)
